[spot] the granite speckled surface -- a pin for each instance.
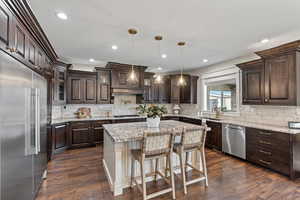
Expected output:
(235, 121)
(126, 132)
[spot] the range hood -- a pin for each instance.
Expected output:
(118, 91)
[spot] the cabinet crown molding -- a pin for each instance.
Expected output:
(280, 50)
(250, 63)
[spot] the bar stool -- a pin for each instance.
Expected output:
(192, 140)
(154, 146)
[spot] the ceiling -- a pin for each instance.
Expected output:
(213, 29)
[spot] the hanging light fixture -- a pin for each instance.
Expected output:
(157, 76)
(181, 81)
(132, 76)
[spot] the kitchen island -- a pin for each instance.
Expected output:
(119, 139)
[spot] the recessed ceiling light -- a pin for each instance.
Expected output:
(62, 15)
(114, 47)
(205, 60)
(164, 55)
(92, 60)
(266, 40)
(159, 68)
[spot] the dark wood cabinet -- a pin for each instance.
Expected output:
(80, 135)
(280, 80)
(82, 87)
(5, 28)
(273, 80)
(103, 86)
(59, 137)
(214, 137)
(253, 82)
(191, 121)
(59, 84)
(98, 130)
(148, 87)
(120, 76)
(269, 149)
(161, 92)
(186, 93)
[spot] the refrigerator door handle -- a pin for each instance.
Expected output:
(36, 122)
(28, 103)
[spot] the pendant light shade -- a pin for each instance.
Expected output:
(181, 80)
(132, 76)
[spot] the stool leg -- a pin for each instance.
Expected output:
(172, 175)
(204, 166)
(167, 164)
(182, 166)
(132, 171)
(156, 168)
(143, 178)
(186, 160)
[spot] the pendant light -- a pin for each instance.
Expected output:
(132, 76)
(157, 76)
(181, 81)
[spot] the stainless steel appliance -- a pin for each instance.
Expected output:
(234, 140)
(23, 132)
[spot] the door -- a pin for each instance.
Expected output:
(40, 158)
(75, 90)
(59, 137)
(175, 90)
(5, 28)
(280, 80)
(103, 87)
(15, 138)
(253, 84)
(90, 89)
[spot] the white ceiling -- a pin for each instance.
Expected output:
(213, 29)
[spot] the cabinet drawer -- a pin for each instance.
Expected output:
(80, 124)
(100, 123)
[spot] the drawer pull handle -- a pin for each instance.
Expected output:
(265, 152)
(265, 162)
(264, 142)
(61, 126)
(264, 133)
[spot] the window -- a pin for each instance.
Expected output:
(222, 96)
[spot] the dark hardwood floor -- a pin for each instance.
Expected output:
(79, 175)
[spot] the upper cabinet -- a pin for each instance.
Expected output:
(120, 76)
(5, 27)
(103, 86)
(273, 80)
(161, 92)
(148, 86)
(82, 87)
(184, 94)
(59, 84)
(253, 82)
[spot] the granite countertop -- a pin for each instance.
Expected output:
(270, 127)
(126, 132)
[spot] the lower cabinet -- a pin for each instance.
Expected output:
(269, 149)
(59, 137)
(80, 134)
(98, 130)
(214, 137)
(191, 121)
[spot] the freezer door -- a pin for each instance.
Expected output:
(40, 157)
(16, 160)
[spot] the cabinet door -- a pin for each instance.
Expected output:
(280, 80)
(90, 90)
(59, 85)
(214, 137)
(103, 87)
(253, 84)
(185, 91)
(20, 37)
(155, 93)
(165, 90)
(175, 90)
(76, 89)
(5, 26)
(194, 86)
(31, 52)
(59, 137)
(99, 130)
(81, 135)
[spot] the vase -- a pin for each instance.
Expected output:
(153, 122)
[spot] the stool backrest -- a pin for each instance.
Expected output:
(193, 137)
(157, 142)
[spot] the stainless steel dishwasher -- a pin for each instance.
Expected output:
(234, 140)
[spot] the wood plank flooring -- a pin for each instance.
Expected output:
(79, 175)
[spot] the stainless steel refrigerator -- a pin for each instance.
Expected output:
(23, 131)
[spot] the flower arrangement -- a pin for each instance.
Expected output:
(152, 111)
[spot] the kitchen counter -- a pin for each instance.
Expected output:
(134, 131)
(283, 129)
